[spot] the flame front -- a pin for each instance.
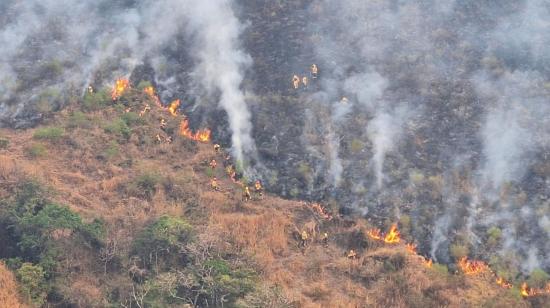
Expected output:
(524, 290)
(202, 135)
(393, 236)
(173, 109)
(150, 91)
(471, 267)
(501, 282)
(374, 234)
(321, 210)
(121, 85)
(411, 248)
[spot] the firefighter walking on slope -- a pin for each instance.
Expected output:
(246, 193)
(259, 189)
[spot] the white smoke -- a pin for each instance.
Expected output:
(335, 168)
(221, 65)
(516, 125)
(80, 39)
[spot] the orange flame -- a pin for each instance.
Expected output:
(150, 90)
(121, 85)
(411, 248)
(173, 109)
(393, 236)
(501, 282)
(374, 234)
(525, 291)
(321, 210)
(201, 135)
(471, 267)
(428, 262)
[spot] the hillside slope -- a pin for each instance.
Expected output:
(105, 163)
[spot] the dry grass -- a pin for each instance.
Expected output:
(9, 298)
(261, 230)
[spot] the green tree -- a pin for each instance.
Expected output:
(32, 280)
(162, 239)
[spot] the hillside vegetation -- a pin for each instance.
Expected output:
(95, 211)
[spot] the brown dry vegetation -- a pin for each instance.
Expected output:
(8, 289)
(264, 231)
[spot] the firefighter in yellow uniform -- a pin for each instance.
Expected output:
(314, 71)
(304, 236)
(324, 239)
(213, 164)
(162, 124)
(352, 254)
(258, 188)
(217, 148)
(246, 193)
(296, 82)
(214, 184)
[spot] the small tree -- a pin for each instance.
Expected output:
(33, 283)
(162, 238)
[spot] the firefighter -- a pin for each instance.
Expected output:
(227, 160)
(296, 82)
(246, 193)
(217, 148)
(213, 164)
(90, 89)
(304, 81)
(159, 139)
(230, 172)
(324, 239)
(314, 71)
(147, 108)
(168, 139)
(352, 254)
(214, 184)
(344, 100)
(304, 237)
(258, 188)
(162, 124)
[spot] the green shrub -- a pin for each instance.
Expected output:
(144, 185)
(36, 150)
(4, 143)
(52, 133)
(266, 296)
(232, 282)
(131, 118)
(458, 251)
(32, 280)
(118, 127)
(441, 269)
(47, 100)
(538, 278)
(356, 146)
(113, 150)
(78, 119)
(162, 238)
(96, 100)
(34, 229)
(494, 235)
(395, 262)
(144, 84)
